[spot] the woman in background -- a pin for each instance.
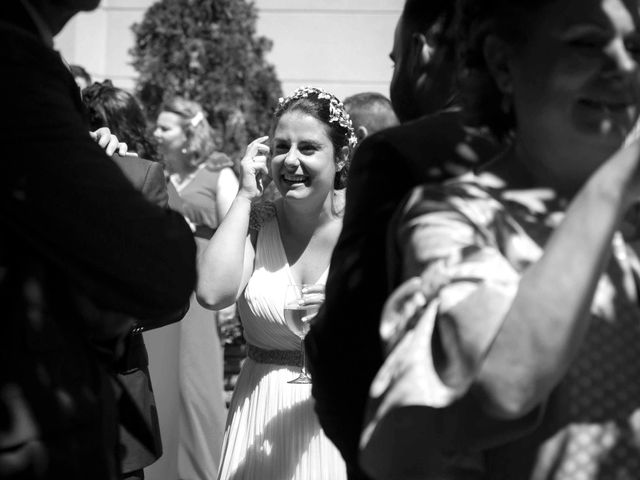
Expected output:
(206, 183)
(203, 177)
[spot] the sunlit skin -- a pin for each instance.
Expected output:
(171, 140)
(304, 161)
(575, 107)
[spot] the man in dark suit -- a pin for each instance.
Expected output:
(343, 345)
(81, 254)
(138, 451)
(111, 107)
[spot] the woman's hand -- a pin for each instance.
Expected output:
(312, 298)
(109, 142)
(255, 173)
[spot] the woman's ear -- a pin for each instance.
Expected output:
(497, 55)
(361, 133)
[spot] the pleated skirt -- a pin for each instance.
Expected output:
(272, 431)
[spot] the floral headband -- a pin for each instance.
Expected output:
(337, 112)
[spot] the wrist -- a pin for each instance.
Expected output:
(245, 194)
(244, 197)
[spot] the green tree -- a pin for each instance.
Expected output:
(208, 51)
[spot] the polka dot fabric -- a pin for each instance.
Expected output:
(603, 385)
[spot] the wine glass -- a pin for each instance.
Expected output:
(298, 315)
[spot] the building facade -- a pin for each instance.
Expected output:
(340, 45)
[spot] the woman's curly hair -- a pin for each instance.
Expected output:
(112, 107)
(508, 20)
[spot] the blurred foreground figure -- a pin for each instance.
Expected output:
(512, 346)
(386, 166)
(81, 254)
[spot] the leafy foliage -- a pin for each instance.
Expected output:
(208, 51)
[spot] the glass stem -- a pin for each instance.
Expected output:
(304, 357)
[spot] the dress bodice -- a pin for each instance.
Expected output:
(262, 304)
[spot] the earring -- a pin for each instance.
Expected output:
(183, 150)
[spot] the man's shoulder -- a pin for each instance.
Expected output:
(430, 130)
(146, 176)
(136, 169)
(430, 137)
(432, 141)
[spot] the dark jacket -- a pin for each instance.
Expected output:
(81, 254)
(343, 345)
(137, 450)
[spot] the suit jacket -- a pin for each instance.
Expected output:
(343, 345)
(133, 369)
(81, 253)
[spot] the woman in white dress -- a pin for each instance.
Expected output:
(272, 431)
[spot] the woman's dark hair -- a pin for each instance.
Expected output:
(508, 20)
(112, 107)
(330, 111)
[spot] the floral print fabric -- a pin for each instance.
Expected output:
(469, 241)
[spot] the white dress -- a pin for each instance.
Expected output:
(272, 431)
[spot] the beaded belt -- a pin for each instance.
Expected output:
(291, 358)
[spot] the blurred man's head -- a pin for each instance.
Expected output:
(424, 59)
(369, 112)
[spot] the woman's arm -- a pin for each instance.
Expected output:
(518, 337)
(227, 189)
(226, 264)
(548, 318)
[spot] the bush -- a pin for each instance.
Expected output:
(208, 51)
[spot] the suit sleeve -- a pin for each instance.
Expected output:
(155, 186)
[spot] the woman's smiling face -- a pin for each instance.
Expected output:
(170, 135)
(304, 161)
(575, 81)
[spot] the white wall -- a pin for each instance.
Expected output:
(340, 45)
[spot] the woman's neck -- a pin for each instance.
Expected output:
(183, 167)
(304, 218)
